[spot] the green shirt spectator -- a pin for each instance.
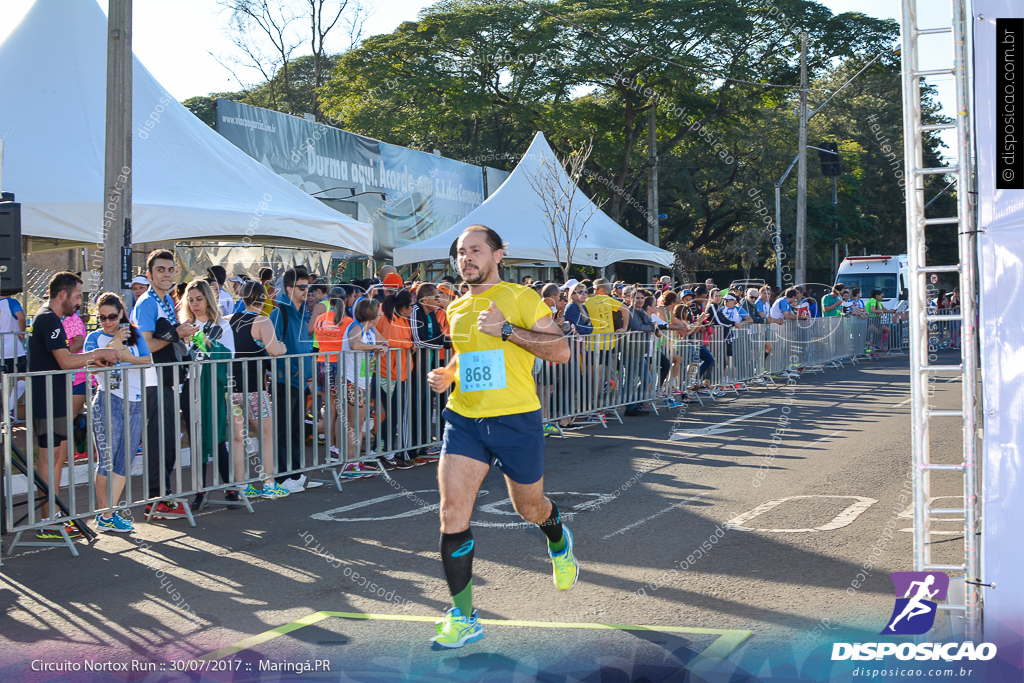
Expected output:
(832, 303)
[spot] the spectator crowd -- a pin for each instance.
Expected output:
(291, 358)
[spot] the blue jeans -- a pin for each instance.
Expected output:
(707, 361)
(110, 437)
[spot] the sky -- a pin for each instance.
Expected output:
(180, 41)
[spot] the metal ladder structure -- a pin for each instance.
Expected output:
(922, 371)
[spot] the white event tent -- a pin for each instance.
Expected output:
(515, 212)
(188, 181)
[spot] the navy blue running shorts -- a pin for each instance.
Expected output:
(515, 443)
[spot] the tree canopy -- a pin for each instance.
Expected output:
(478, 78)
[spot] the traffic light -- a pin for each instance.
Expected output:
(829, 160)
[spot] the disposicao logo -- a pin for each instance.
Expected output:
(949, 652)
(917, 598)
(914, 613)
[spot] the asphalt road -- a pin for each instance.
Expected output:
(643, 507)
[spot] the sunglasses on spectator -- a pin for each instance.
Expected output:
(110, 318)
(302, 288)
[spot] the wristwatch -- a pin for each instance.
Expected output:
(506, 330)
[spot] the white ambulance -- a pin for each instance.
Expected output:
(887, 273)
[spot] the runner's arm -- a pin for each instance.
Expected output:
(265, 333)
(543, 340)
(442, 378)
(625, 319)
(318, 310)
(74, 361)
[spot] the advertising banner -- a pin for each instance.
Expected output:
(426, 193)
(999, 107)
(405, 194)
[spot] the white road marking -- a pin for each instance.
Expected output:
(903, 403)
(839, 521)
(654, 516)
(711, 430)
(599, 499)
(909, 514)
(824, 438)
(329, 515)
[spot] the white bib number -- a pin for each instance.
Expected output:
(482, 370)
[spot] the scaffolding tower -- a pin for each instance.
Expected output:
(922, 365)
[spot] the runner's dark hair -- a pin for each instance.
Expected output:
(115, 300)
(64, 281)
(158, 255)
(252, 292)
(220, 273)
(293, 274)
(493, 239)
(394, 302)
(337, 297)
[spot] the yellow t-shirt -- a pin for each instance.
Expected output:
(521, 306)
(601, 308)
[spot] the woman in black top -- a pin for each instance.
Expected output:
(254, 339)
(430, 342)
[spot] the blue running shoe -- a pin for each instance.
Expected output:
(115, 523)
(251, 491)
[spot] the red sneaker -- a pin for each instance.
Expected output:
(165, 511)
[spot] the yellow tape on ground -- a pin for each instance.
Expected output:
(727, 641)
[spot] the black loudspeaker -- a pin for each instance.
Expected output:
(829, 161)
(10, 245)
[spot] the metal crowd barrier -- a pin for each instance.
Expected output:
(202, 441)
(614, 370)
(944, 333)
(189, 409)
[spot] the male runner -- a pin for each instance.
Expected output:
(493, 417)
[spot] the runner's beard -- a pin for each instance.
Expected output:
(482, 276)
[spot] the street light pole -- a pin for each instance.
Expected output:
(117, 184)
(652, 188)
(801, 192)
(778, 185)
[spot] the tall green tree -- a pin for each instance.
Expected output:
(480, 78)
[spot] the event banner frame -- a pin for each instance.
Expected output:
(999, 118)
(407, 195)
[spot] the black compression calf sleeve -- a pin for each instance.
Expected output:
(552, 526)
(457, 559)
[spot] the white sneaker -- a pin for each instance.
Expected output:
(293, 485)
(304, 483)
